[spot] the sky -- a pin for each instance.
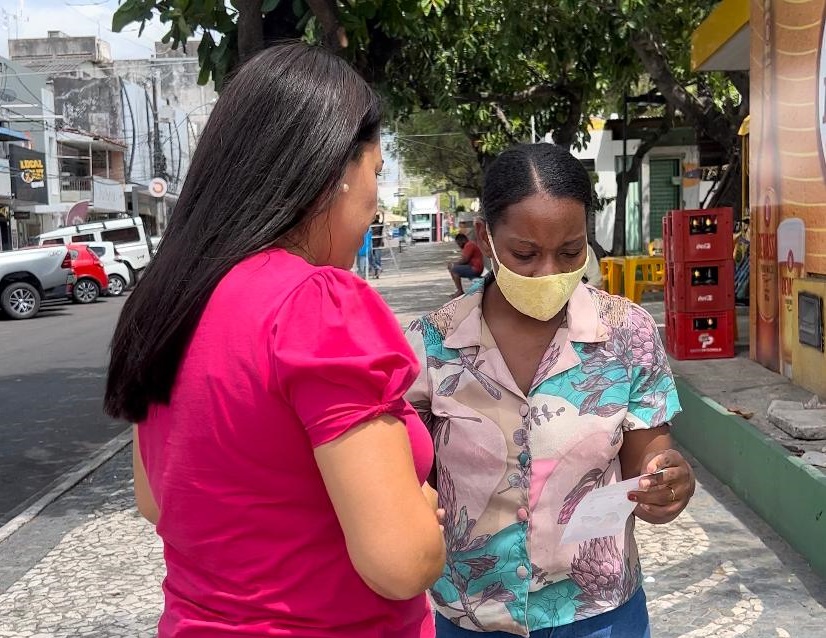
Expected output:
(33, 18)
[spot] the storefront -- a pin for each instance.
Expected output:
(29, 189)
(781, 43)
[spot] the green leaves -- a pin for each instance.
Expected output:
(132, 11)
(436, 6)
(488, 65)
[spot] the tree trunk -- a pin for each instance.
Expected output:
(729, 190)
(619, 246)
(326, 12)
(591, 229)
(703, 117)
(566, 134)
(281, 24)
(250, 28)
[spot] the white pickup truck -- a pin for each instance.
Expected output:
(32, 275)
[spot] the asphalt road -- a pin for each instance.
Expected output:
(52, 376)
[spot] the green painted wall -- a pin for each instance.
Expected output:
(786, 493)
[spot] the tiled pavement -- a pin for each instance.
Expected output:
(88, 566)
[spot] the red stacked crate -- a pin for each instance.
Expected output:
(699, 290)
(701, 235)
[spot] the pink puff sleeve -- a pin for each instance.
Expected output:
(339, 356)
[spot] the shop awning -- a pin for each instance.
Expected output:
(722, 41)
(83, 141)
(8, 135)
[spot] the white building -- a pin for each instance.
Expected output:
(666, 181)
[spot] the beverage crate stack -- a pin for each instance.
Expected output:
(699, 290)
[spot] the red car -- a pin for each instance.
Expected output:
(91, 277)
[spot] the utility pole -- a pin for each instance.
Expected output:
(158, 158)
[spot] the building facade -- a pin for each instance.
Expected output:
(119, 124)
(669, 179)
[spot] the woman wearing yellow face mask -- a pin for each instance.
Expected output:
(538, 389)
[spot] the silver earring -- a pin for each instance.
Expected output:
(345, 188)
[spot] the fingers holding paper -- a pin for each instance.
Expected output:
(665, 487)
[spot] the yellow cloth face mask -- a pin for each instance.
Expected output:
(538, 297)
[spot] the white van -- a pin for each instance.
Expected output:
(128, 235)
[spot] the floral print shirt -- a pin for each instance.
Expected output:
(512, 468)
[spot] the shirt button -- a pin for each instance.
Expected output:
(524, 409)
(522, 514)
(522, 572)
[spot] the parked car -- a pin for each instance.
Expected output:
(32, 275)
(91, 276)
(128, 235)
(120, 278)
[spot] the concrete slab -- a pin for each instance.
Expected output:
(802, 423)
(817, 459)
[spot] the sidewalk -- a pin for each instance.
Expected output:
(88, 566)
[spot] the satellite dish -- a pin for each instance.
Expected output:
(7, 95)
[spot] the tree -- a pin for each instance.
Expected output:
(491, 66)
(631, 172)
(714, 104)
(495, 64)
(368, 32)
(434, 146)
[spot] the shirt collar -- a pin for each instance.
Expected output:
(582, 318)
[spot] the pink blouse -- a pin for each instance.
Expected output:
(286, 357)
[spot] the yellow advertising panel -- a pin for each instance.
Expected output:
(787, 165)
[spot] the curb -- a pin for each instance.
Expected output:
(66, 482)
(787, 493)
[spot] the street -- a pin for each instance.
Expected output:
(52, 374)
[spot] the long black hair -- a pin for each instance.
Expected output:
(530, 169)
(272, 155)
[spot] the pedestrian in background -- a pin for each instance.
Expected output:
(538, 389)
(377, 229)
(402, 236)
(274, 448)
(469, 265)
(363, 257)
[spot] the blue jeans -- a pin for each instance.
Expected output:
(628, 621)
(465, 271)
(362, 263)
(375, 261)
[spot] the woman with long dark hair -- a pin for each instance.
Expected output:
(274, 449)
(537, 390)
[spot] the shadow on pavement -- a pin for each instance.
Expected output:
(49, 422)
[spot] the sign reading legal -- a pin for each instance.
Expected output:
(28, 169)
